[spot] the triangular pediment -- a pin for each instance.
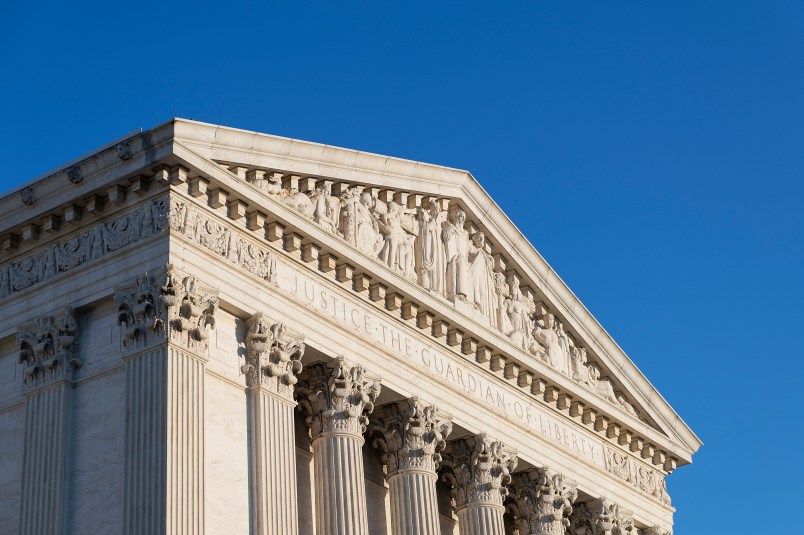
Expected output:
(436, 228)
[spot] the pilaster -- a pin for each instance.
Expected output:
(48, 352)
(273, 358)
(166, 317)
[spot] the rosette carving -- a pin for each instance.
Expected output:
(480, 470)
(48, 348)
(411, 435)
(273, 355)
(337, 397)
(544, 500)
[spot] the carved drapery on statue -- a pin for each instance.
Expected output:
(166, 305)
(601, 517)
(48, 348)
(337, 397)
(411, 435)
(544, 501)
(421, 241)
(479, 470)
(273, 355)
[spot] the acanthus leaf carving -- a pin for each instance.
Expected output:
(48, 348)
(337, 397)
(479, 470)
(273, 355)
(544, 501)
(166, 305)
(601, 517)
(411, 435)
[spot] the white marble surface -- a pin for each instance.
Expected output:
(226, 458)
(12, 426)
(98, 468)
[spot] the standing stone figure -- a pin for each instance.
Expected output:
(456, 246)
(326, 208)
(519, 310)
(548, 336)
(481, 272)
(430, 256)
(397, 251)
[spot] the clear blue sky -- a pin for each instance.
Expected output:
(651, 151)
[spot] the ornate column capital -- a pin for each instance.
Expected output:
(338, 396)
(602, 517)
(273, 355)
(411, 435)
(166, 305)
(659, 530)
(48, 348)
(544, 499)
(481, 469)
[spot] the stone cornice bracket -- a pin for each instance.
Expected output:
(411, 435)
(273, 355)
(337, 397)
(544, 501)
(480, 470)
(166, 305)
(601, 517)
(48, 348)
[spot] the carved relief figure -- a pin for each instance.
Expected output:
(430, 255)
(601, 386)
(397, 251)
(456, 246)
(481, 273)
(326, 208)
(519, 311)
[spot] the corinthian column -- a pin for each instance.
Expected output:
(411, 436)
(166, 318)
(601, 517)
(47, 348)
(481, 468)
(272, 361)
(544, 499)
(337, 397)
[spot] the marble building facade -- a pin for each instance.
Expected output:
(208, 330)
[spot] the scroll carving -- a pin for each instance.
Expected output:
(480, 470)
(166, 305)
(601, 517)
(411, 435)
(273, 355)
(338, 397)
(544, 501)
(48, 348)
(98, 241)
(642, 477)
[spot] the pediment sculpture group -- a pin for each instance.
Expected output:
(438, 249)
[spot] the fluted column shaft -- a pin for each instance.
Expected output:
(481, 519)
(43, 507)
(164, 488)
(414, 505)
(340, 485)
(273, 465)
(337, 396)
(411, 434)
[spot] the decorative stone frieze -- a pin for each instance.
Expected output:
(166, 305)
(639, 475)
(222, 240)
(28, 196)
(48, 348)
(338, 397)
(601, 517)
(100, 240)
(123, 150)
(74, 174)
(480, 470)
(273, 355)
(411, 435)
